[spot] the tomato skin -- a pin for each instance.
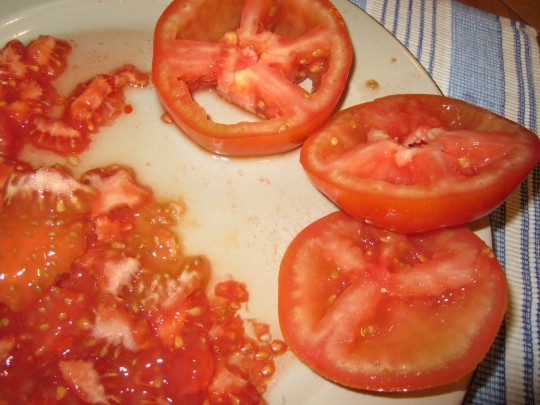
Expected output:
(253, 55)
(382, 162)
(377, 310)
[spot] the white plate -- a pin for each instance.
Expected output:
(241, 213)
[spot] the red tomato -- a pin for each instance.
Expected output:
(27, 74)
(40, 233)
(255, 54)
(90, 106)
(50, 54)
(28, 94)
(99, 303)
(377, 310)
(8, 136)
(417, 162)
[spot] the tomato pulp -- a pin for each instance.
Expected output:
(99, 303)
(30, 103)
(377, 310)
(255, 54)
(418, 162)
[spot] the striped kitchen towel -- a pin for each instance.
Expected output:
(492, 62)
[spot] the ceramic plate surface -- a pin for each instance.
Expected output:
(241, 213)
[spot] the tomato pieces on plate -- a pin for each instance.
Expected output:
(418, 162)
(286, 62)
(100, 304)
(378, 310)
(32, 108)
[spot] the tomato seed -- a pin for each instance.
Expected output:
(247, 348)
(73, 160)
(331, 299)
(178, 342)
(367, 330)
(268, 370)
(103, 352)
(60, 392)
(195, 311)
(278, 347)
(118, 245)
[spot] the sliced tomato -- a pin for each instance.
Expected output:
(377, 310)
(256, 54)
(417, 162)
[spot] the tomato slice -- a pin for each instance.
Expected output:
(417, 162)
(255, 54)
(377, 310)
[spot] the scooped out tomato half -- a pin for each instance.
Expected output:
(260, 55)
(377, 310)
(412, 163)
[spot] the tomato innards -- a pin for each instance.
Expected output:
(378, 310)
(32, 110)
(98, 303)
(257, 55)
(415, 162)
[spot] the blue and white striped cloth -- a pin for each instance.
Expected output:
(492, 62)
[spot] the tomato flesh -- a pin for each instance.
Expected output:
(29, 98)
(377, 310)
(418, 162)
(99, 303)
(255, 54)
